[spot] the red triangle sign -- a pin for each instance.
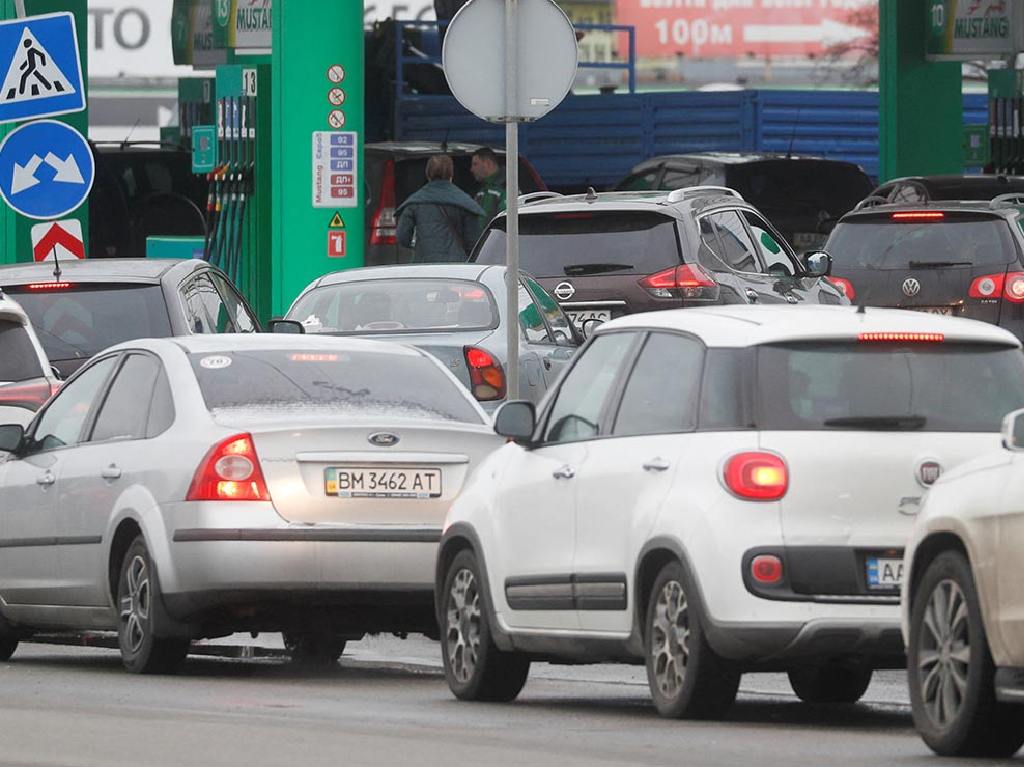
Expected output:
(57, 235)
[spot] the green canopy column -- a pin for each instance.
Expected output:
(318, 78)
(921, 102)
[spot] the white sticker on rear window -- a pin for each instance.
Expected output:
(215, 362)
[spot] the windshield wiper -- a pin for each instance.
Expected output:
(578, 270)
(878, 422)
(938, 264)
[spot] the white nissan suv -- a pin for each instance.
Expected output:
(714, 491)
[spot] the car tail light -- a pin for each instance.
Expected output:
(1008, 286)
(486, 376)
(766, 568)
(757, 476)
(685, 281)
(902, 338)
(44, 286)
(230, 472)
(919, 216)
(31, 396)
(845, 286)
(383, 227)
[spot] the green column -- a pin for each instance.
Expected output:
(312, 40)
(921, 102)
(15, 230)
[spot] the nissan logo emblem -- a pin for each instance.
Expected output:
(383, 439)
(564, 291)
(928, 473)
(911, 287)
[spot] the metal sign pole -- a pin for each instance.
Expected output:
(512, 192)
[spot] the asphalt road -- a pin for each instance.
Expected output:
(386, 703)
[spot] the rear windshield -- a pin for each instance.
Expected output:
(580, 244)
(396, 306)
(310, 384)
(878, 242)
(800, 186)
(76, 322)
(888, 387)
(18, 358)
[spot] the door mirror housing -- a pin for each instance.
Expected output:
(286, 326)
(589, 326)
(1013, 432)
(11, 438)
(818, 264)
(516, 420)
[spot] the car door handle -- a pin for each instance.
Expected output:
(111, 472)
(46, 479)
(657, 464)
(751, 295)
(566, 472)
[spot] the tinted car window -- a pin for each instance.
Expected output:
(773, 253)
(396, 305)
(662, 392)
(879, 242)
(640, 182)
(552, 312)
(576, 412)
(579, 244)
(240, 317)
(206, 309)
(308, 384)
(63, 420)
(889, 387)
(726, 393)
(679, 178)
(125, 410)
(734, 246)
(531, 320)
(81, 320)
(18, 358)
(161, 409)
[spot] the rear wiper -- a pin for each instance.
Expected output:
(878, 422)
(938, 264)
(578, 270)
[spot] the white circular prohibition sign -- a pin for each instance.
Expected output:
(336, 119)
(336, 73)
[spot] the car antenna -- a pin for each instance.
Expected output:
(444, 141)
(126, 138)
(861, 309)
(792, 137)
(56, 265)
(591, 195)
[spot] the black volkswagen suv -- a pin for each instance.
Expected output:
(962, 259)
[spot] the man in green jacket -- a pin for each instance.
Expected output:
(439, 220)
(493, 195)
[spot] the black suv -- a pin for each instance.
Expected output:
(802, 196)
(962, 259)
(605, 255)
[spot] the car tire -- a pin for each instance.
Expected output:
(950, 668)
(138, 598)
(313, 651)
(473, 665)
(687, 679)
(8, 640)
(835, 682)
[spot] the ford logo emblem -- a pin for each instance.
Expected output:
(564, 291)
(383, 439)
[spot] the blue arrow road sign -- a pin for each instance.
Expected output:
(46, 169)
(40, 67)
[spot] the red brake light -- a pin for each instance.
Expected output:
(1009, 287)
(766, 568)
(31, 396)
(230, 472)
(306, 357)
(685, 281)
(844, 286)
(486, 376)
(919, 215)
(757, 476)
(912, 338)
(42, 286)
(383, 227)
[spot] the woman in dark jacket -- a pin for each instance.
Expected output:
(439, 221)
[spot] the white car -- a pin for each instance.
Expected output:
(963, 606)
(713, 491)
(26, 380)
(192, 487)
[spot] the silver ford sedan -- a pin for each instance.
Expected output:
(185, 488)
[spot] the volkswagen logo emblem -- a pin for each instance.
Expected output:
(911, 287)
(564, 291)
(928, 473)
(383, 439)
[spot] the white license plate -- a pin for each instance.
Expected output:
(579, 317)
(945, 311)
(381, 482)
(884, 573)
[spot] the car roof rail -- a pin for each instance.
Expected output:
(532, 197)
(687, 192)
(873, 201)
(1015, 199)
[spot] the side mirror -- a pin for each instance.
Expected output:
(1013, 431)
(286, 326)
(589, 326)
(11, 437)
(517, 421)
(819, 264)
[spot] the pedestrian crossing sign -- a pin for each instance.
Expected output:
(41, 67)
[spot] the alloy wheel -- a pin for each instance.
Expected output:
(944, 653)
(670, 639)
(135, 604)
(462, 635)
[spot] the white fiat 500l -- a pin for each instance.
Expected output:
(963, 606)
(186, 488)
(713, 491)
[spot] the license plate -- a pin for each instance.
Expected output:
(946, 311)
(884, 573)
(378, 482)
(579, 317)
